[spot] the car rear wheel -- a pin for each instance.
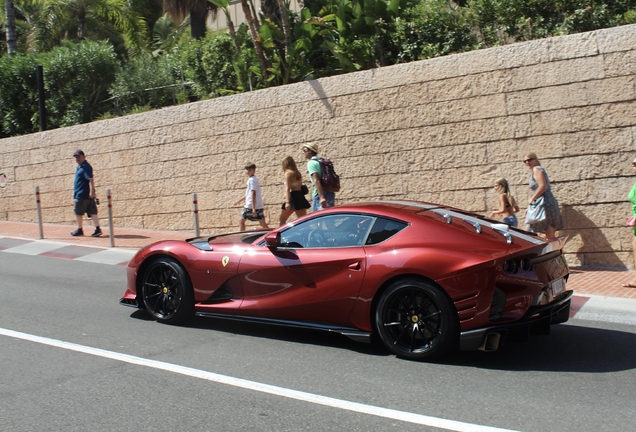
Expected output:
(167, 291)
(416, 321)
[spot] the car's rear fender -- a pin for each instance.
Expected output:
(363, 312)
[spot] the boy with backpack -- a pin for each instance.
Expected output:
(323, 177)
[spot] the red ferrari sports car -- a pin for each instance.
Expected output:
(424, 278)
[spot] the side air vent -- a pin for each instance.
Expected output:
(497, 304)
(223, 294)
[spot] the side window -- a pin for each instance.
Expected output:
(330, 231)
(383, 229)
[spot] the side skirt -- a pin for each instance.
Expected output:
(351, 333)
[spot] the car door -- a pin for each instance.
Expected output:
(314, 274)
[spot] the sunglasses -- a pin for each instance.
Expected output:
(528, 160)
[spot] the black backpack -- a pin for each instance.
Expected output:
(329, 180)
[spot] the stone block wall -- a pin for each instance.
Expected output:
(440, 130)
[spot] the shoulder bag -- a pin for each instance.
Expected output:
(536, 211)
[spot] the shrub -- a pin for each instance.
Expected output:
(144, 81)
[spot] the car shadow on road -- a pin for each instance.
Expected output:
(568, 348)
(283, 333)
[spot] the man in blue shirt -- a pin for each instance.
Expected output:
(84, 195)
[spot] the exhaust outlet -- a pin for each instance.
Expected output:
(491, 343)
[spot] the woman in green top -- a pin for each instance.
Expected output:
(632, 199)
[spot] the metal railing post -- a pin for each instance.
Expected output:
(37, 203)
(195, 210)
(111, 234)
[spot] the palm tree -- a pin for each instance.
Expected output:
(12, 44)
(95, 19)
(253, 25)
(164, 34)
(197, 9)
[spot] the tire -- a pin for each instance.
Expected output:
(416, 321)
(167, 291)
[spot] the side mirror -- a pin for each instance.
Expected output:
(272, 240)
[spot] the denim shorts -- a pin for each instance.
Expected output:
(511, 220)
(330, 197)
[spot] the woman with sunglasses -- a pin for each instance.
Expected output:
(540, 186)
(632, 199)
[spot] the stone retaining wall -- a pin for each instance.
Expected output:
(440, 130)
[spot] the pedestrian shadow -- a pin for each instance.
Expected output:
(588, 242)
(568, 348)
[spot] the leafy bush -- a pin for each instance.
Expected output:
(18, 95)
(505, 21)
(207, 63)
(433, 28)
(145, 80)
(76, 78)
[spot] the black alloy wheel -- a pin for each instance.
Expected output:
(416, 321)
(167, 291)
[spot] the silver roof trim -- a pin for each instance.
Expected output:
(499, 227)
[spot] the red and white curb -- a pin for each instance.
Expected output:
(54, 249)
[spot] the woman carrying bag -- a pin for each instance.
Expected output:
(543, 214)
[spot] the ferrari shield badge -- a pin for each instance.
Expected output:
(225, 260)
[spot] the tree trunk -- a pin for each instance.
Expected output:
(230, 26)
(197, 23)
(256, 41)
(12, 39)
(81, 24)
(254, 14)
(285, 20)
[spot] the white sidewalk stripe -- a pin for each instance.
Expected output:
(108, 256)
(36, 247)
(101, 255)
(608, 309)
(259, 387)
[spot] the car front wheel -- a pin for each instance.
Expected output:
(416, 321)
(167, 291)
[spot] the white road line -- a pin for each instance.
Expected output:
(259, 387)
(108, 256)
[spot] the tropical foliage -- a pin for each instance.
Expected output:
(104, 58)
(76, 81)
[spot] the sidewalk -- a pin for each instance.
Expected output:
(584, 281)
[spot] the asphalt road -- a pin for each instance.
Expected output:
(72, 358)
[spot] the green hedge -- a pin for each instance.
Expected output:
(76, 81)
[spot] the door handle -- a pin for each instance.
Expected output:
(355, 266)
